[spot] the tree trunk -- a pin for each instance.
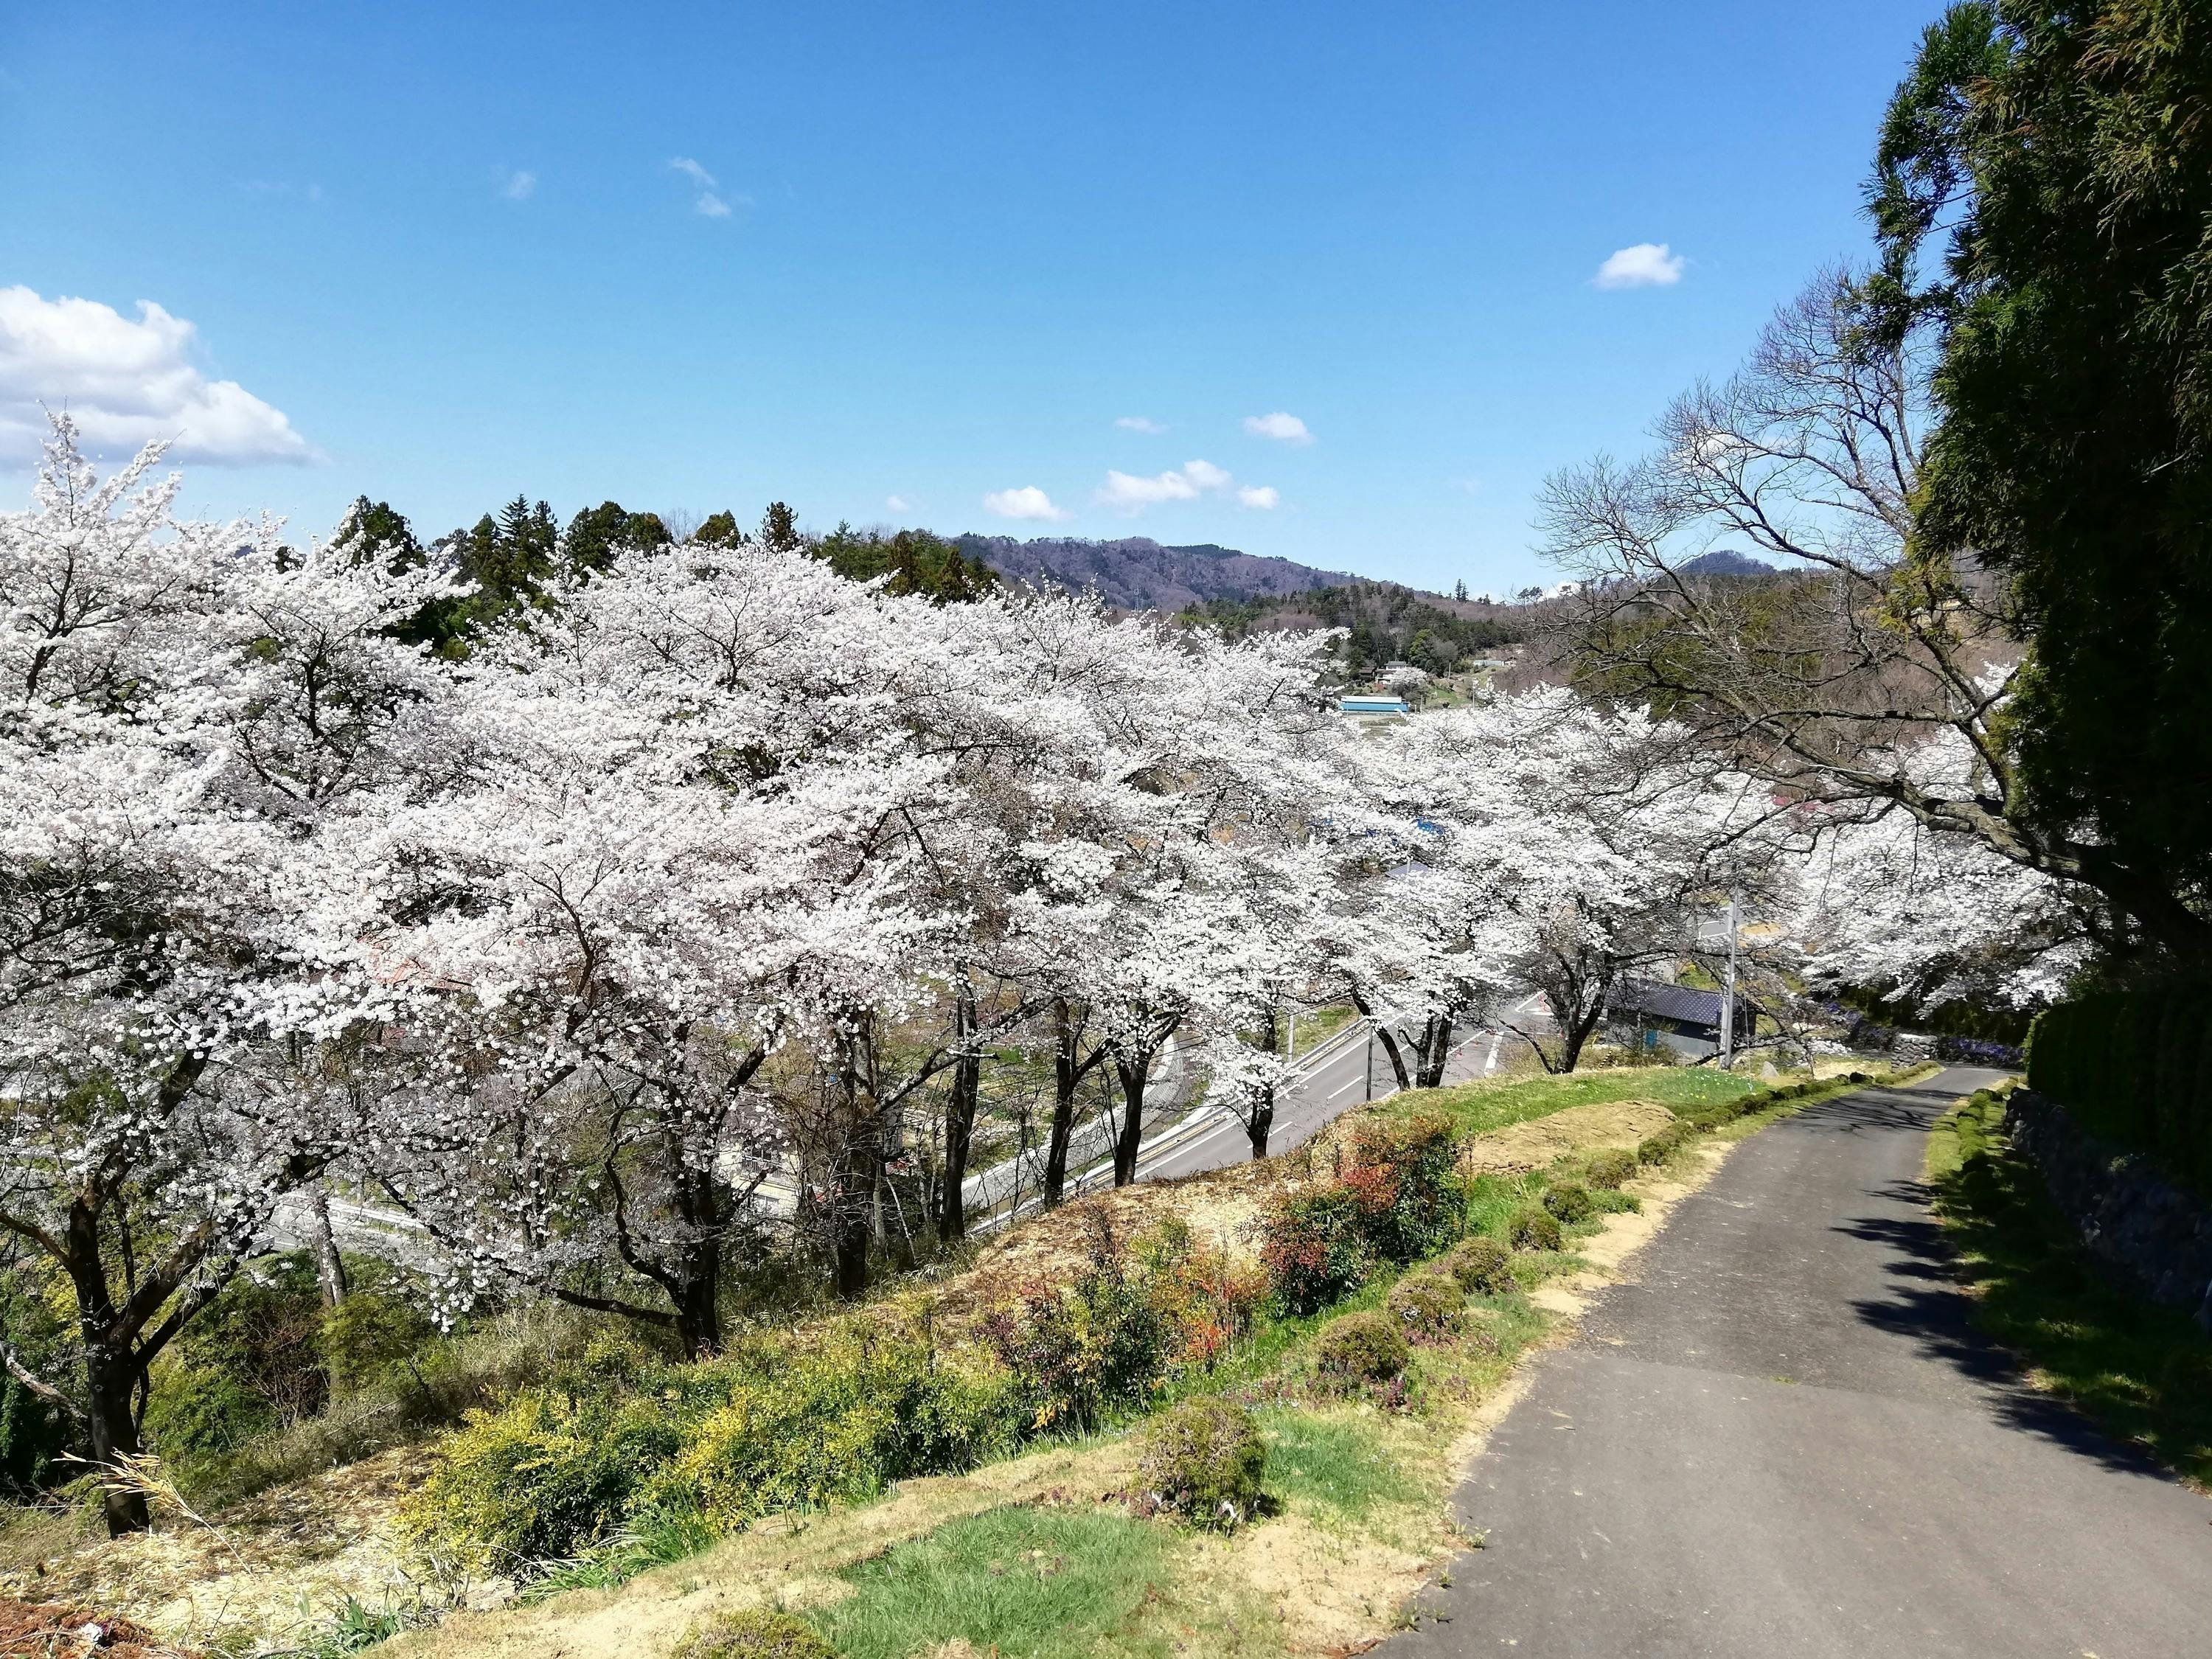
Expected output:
(855, 1189)
(1133, 1072)
(1261, 1124)
(330, 1266)
(1066, 1075)
(1389, 1042)
(698, 1311)
(1260, 1121)
(859, 1173)
(111, 1424)
(1434, 1050)
(960, 1116)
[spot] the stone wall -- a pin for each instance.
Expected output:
(2127, 1212)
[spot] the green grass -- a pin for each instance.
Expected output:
(1021, 1582)
(1494, 1102)
(1335, 1462)
(2143, 1370)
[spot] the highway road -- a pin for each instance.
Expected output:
(1345, 1077)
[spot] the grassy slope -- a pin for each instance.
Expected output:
(1493, 1104)
(1033, 1557)
(2143, 1370)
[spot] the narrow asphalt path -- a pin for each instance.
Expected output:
(1786, 1438)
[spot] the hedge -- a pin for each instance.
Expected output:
(2135, 1068)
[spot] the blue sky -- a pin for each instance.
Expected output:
(933, 253)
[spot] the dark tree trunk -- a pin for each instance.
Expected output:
(1132, 1071)
(1261, 1120)
(854, 1190)
(1066, 1076)
(960, 1116)
(112, 1424)
(1389, 1042)
(1261, 1124)
(330, 1266)
(698, 1311)
(1435, 1048)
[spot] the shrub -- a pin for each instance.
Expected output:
(839, 1421)
(1361, 1347)
(1427, 1306)
(1657, 1149)
(1426, 1196)
(1534, 1229)
(374, 1336)
(1571, 1201)
(1204, 1459)
(1314, 1249)
(1400, 1199)
(198, 1413)
(756, 1634)
(1481, 1264)
(546, 1475)
(1093, 1349)
(1611, 1168)
(263, 1332)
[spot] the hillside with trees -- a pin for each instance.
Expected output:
(1135, 572)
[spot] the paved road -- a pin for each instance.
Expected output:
(1788, 1440)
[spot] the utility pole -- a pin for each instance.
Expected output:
(1727, 993)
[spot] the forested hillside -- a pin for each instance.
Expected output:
(1138, 573)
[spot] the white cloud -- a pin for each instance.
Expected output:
(1648, 265)
(1128, 493)
(1026, 502)
(710, 201)
(517, 185)
(126, 383)
(898, 503)
(1284, 429)
(1141, 423)
(1133, 495)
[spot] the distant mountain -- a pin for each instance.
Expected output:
(1138, 573)
(1725, 561)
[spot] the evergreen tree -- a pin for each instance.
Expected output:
(778, 529)
(720, 531)
(597, 535)
(2062, 152)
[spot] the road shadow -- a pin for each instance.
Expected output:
(1929, 1306)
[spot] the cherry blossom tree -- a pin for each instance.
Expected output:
(191, 715)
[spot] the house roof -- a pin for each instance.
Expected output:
(1646, 996)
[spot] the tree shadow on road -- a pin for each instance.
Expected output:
(2000, 1289)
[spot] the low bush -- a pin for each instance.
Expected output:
(197, 1414)
(1611, 1168)
(1481, 1264)
(1427, 1306)
(1534, 1227)
(755, 1633)
(1399, 1200)
(1570, 1201)
(1657, 1149)
(1205, 1460)
(1100, 1346)
(838, 1421)
(376, 1335)
(1361, 1347)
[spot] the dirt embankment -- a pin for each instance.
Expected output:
(66, 1630)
